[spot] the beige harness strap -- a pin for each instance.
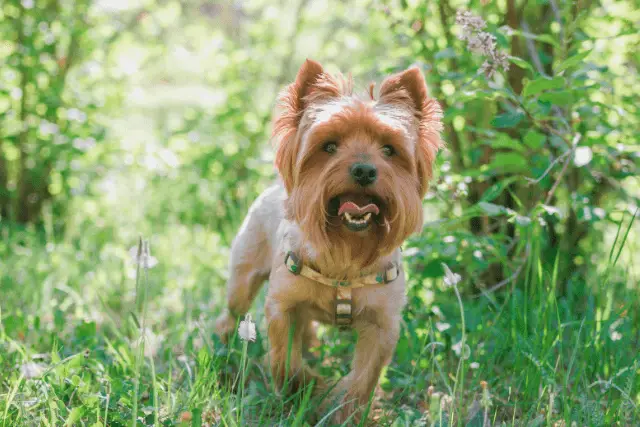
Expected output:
(344, 300)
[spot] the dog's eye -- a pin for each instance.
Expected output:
(330, 147)
(388, 150)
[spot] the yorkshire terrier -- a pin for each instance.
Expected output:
(354, 171)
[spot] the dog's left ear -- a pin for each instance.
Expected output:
(408, 88)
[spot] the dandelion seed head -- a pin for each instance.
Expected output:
(450, 278)
(247, 329)
(32, 370)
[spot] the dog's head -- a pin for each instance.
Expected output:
(355, 167)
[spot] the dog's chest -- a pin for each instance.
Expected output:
(319, 301)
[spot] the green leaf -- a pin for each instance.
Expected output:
(504, 141)
(563, 97)
(545, 38)
(74, 416)
(540, 84)
(496, 189)
(492, 209)
(534, 140)
(521, 63)
(572, 61)
(509, 163)
(507, 120)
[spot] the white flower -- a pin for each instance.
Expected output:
(481, 42)
(247, 329)
(141, 254)
(615, 336)
(442, 326)
(450, 278)
(151, 342)
(462, 189)
(474, 365)
(613, 333)
(463, 352)
(32, 370)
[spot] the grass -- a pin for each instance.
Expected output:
(72, 350)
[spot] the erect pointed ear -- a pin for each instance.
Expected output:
(406, 87)
(292, 104)
(409, 89)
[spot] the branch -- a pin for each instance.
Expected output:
(513, 277)
(559, 158)
(575, 141)
(531, 47)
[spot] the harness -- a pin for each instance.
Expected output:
(343, 301)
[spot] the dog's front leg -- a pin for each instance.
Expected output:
(286, 333)
(375, 347)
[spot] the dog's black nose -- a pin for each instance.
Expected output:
(363, 173)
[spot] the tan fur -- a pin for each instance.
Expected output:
(316, 108)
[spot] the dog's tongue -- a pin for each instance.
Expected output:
(353, 209)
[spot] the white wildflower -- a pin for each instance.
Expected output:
(461, 351)
(436, 310)
(141, 255)
(474, 365)
(151, 342)
(470, 23)
(450, 278)
(462, 189)
(32, 370)
(482, 42)
(247, 329)
(442, 326)
(613, 333)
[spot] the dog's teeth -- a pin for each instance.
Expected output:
(367, 216)
(346, 214)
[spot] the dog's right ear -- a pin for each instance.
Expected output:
(293, 100)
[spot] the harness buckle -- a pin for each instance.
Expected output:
(292, 262)
(391, 273)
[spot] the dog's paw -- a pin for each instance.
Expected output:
(225, 326)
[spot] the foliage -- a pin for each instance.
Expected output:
(152, 117)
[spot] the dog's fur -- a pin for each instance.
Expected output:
(298, 215)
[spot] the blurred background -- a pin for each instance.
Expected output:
(126, 118)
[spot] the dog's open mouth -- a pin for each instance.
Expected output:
(357, 212)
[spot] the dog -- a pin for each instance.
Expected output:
(327, 236)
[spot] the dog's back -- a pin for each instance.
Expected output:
(252, 253)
